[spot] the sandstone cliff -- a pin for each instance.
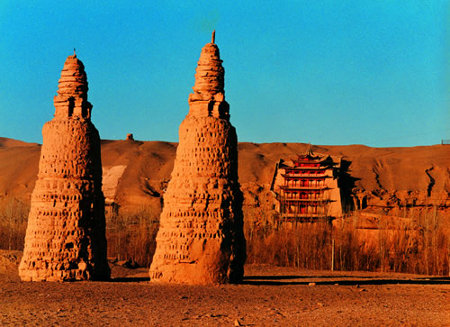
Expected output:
(385, 176)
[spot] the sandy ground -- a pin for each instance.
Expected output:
(270, 296)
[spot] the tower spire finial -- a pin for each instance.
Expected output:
(213, 37)
(74, 52)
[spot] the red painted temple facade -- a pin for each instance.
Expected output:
(306, 188)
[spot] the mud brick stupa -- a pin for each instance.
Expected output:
(201, 240)
(65, 238)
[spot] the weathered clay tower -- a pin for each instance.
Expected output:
(65, 238)
(201, 240)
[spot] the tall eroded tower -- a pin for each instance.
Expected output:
(65, 238)
(201, 240)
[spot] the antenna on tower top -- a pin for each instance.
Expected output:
(74, 52)
(213, 37)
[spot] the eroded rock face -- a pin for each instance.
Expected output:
(65, 238)
(201, 240)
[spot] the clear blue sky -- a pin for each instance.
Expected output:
(326, 72)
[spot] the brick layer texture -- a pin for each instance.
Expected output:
(65, 238)
(201, 240)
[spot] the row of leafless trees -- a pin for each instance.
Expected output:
(131, 236)
(13, 223)
(421, 246)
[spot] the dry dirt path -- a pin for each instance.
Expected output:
(271, 296)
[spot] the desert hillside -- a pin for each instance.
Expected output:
(136, 173)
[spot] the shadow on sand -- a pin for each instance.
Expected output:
(340, 280)
(130, 279)
(317, 280)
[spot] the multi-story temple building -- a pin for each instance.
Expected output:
(307, 187)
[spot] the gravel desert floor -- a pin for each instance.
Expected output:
(269, 296)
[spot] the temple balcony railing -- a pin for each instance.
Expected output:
(304, 215)
(288, 187)
(324, 175)
(304, 168)
(306, 200)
